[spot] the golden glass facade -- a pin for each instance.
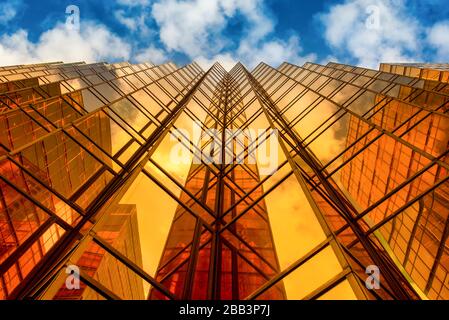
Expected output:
(102, 167)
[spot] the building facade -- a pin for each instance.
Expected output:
(166, 182)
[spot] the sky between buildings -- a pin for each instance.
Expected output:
(362, 32)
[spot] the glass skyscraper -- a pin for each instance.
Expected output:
(163, 182)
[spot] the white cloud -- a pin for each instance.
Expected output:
(192, 27)
(226, 60)
(9, 10)
(130, 23)
(94, 42)
(133, 3)
(151, 54)
(438, 37)
(274, 52)
(135, 23)
(195, 28)
(373, 31)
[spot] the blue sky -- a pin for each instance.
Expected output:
(363, 32)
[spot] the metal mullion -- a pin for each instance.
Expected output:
(182, 250)
(71, 105)
(140, 108)
(309, 159)
(157, 100)
(9, 221)
(228, 244)
(395, 77)
(210, 141)
(363, 89)
(439, 255)
(195, 171)
(186, 79)
(249, 171)
(195, 147)
(107, 106)
(43, 116)
(305, 113)
(290, 89)
(108, 168)
(131, 265)
(136, 133)
(154, 121)
(248, 194)
(402, 185)
(346, 148)
(406, 206)
(328, 286)
(86, 88)
(298, 97)
(311, 181)
(209, 113)
(98, 287)
(275, 79)
(193, 260)
(149, 92)
(280, 87)
(387, 132)
(21, 249)
(214, 286)
(245, 152)
(361, 265)
(247, 124)
(72, 102)
(371, 142)
(162, 88)
(257, 70)
(251, 248)
(79, 192)
(340, 117)
(391, 82)
(267, 77)
(234, 255)
(316, 187)
(244, 109)
(413, 233)
(174, 197)
(88, 151)
(243, 95)
(256, 201)
(74, 206)
(37, 203)
(211, 89)
(193, 115)
(113, 186)
(207, 96)
(292, 268)
(179, 253)
(29, 116)
(381, 260)
(239, 188)
(179, 185)
(176, 83)
(246, 259)
(255, 206)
